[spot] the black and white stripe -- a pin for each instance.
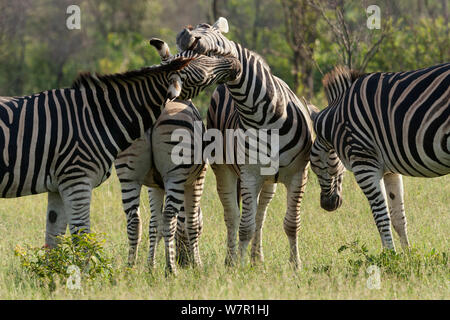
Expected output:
(64, 141)
(148, 162)
(255, 100)
(382, 126)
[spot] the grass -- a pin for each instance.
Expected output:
(335, 248)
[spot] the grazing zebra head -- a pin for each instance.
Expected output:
(325, 163)
(207, 39)
(197, 71)
(329, 170)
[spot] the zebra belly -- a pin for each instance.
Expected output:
(424, 153)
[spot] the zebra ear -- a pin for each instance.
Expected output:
(174, 89)
(221, 25)
(161, 47)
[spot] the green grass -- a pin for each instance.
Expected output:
(326, 273)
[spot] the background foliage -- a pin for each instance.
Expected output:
(300, 39)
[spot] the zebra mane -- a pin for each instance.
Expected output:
(338, 80)
(177, 64)
(261, 59)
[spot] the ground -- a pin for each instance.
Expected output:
(325, 273)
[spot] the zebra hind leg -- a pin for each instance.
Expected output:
(156, 199)
(172, 206)
(56, 222)
(193, 225)
(265, 196)
(394, 191)
(295, 190)
(181, 240)
(131, 193)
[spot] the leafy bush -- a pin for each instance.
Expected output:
(402, 265)
(76, 258)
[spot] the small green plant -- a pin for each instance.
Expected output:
(75, 258)
(402, 265)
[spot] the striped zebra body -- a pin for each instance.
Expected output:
(64, 141)
(382, 126)
(148, 162)
(255, 100)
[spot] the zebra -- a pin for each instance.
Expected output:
(64, 141)
(255, 100)
(148, 162)
(381, 126)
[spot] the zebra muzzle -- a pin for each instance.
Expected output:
(330, 202)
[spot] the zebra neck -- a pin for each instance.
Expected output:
(326, 124)
(255, 92)
(124, 110)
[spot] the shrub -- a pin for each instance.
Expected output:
(76, 258)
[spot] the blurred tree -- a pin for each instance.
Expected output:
(350, 31)
(301, 33)
(297, 38)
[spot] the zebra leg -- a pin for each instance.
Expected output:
(156, 199)
(56, 223)
(251, 185)
(394, 190)
(192, 195)
(172, 206)
(131, 194)
(265, 196)
(295, 190)
(77, 203)
(182, 255)
(371, 183)
(227, 182)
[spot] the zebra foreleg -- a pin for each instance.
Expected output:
(251, 185)
(77, 203)
(56, 222)
(394, 191)
(371, 183)
(156, 199)
(295, 190)
(264, 198)
(227, 182)
(131, 193)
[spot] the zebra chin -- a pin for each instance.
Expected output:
(330, 202)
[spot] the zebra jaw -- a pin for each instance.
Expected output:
(174, 89)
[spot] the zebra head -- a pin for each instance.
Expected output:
(329, 169)
(197, 73)
(207, 39)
